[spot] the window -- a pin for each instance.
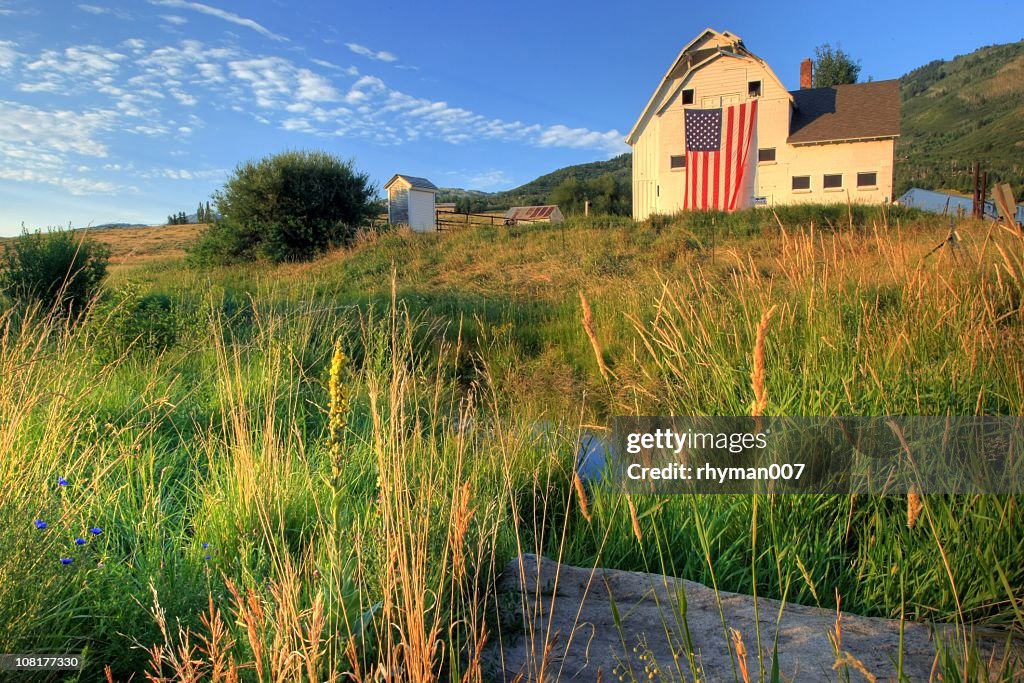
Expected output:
(833, 181)
(754, 89)
(867, 179)
(766, 154)
(801, 182)
(677, 162)
(688, 97)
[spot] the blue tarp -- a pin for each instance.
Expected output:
(940, 202)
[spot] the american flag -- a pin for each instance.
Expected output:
(718, 143)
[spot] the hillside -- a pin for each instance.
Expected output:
(958, 111)
(538, 191)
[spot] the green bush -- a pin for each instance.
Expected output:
(130, 320)
(58, 270)
(287, 207)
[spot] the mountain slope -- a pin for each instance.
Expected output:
(538, 191)
(962, 110)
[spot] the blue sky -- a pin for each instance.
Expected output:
(128, 111)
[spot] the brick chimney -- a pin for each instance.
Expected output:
(806, 74)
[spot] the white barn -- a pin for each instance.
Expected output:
(411, 202)
(819, 145)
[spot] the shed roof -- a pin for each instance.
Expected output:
(415, 181)
(846, 112)
(533, 213)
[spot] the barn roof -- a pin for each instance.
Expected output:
(846, 112)
(415, 181)
(706, 47)
(532, 213)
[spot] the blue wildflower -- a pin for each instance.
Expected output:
(40, 524)
(206, 557)
(66, 560)
(206, 545)
(79, 541)
(61, 481)
(96, 531)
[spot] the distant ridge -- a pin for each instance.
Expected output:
(538, 191)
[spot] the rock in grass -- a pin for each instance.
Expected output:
(620, 623)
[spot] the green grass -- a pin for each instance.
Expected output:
(191, 408)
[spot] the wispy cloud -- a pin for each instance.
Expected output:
(8, 55)
(75, 186)
(490, 180)
(99, 10)
(582, 138)
(59, 130)
(220, 14)
(381, 55)
(174, 19)
(347, 70)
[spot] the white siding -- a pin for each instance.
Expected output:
(660, 135)
(421, 211)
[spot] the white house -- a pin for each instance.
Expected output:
(411, 202)
(819, 145)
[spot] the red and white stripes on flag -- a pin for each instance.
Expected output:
(718, 145)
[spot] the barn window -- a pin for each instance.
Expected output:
(677, 162)
(867, 179)
(833, 181)
(801, 182)
(754, 89)
(766, 154)
(688, 96)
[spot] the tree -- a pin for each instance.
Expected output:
(286, 207)
(200, 216)
(832, 67)
(568, 195)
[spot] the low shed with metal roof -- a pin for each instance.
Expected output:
(534, 214)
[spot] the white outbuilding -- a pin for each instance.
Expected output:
(411, 202)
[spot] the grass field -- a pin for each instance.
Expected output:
(317, 468)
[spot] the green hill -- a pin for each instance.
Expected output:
(962, 110)
(539, 191)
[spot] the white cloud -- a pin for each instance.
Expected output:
(76, 186)
(85, 60)
(136, 44)
(185, 173)
(582, 138)
(100, 10)
(490, 179)
(60, 131)
(347, 70)
(8, 55)
(220, 14)
(184, 98)
(174, 19)
(314, 88)
(364, 51)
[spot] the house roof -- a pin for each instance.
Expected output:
(692, 57)
(414, 181)
(846, 112)
(532, 213)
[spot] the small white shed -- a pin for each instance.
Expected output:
(411, 202)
